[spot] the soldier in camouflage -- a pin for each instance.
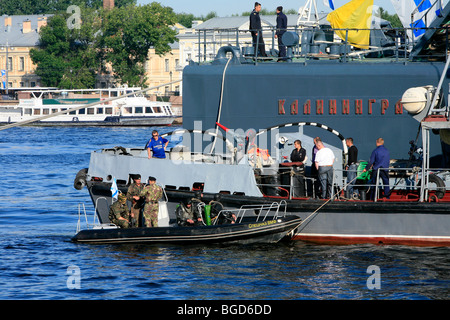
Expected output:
(133, 195)
(152, 193)
(118, 212)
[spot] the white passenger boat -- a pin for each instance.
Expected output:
(131, 110)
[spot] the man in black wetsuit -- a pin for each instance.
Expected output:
(256, 30)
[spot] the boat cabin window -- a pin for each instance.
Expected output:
(108, 110)
(73, 112)
(37, 112)
(45, 111)
(148, 110)
(82, 111)
(54, 110)
(168, 111)
(100, 110)
(127, 110)
(90, 111)
(28, 111)
(157, 109)
(138, 110)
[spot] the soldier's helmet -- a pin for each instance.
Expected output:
(122, 197)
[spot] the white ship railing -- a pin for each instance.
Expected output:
(262, 211)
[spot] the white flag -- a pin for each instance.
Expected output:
(329, 3)
(418, 13)
(114, 190)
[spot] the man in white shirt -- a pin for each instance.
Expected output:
(324, 163)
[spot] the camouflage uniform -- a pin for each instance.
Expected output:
(119, 209)
(152, 193)
(135, 190)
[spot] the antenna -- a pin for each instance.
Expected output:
(305, 12)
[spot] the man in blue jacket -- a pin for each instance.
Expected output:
(379, 159)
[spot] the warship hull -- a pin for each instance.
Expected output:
(357, 99)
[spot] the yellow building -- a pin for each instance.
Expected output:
(164, 69)
(18, 34)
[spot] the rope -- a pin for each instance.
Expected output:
(219, 111)
(326, 202)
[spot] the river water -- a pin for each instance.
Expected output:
(39, 213)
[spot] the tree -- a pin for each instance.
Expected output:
(129, 33)
(25, 7)
(392, 18)
(66, 58)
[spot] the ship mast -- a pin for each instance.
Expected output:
(305, 12)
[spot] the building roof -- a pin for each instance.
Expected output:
(16, 35)
(242, 22)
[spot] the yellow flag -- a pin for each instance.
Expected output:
(356, 14)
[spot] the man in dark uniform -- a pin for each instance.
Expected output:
(298, 155)
(256, 30)
(281, 29)
(352, 164)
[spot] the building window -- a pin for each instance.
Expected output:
(21, 64)
(166, 65)
(10, 65)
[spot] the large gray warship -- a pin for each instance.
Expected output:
(403, 99)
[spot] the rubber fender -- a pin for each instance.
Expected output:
(80, 179)
(440, 191)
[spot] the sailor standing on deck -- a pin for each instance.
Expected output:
(281, 29)
(256, 30)
(324, 164)
(379, 160)
(351, 165)
(133, 195)
(298, 155)
(152, 193)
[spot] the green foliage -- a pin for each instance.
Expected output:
(129, 33)
(65, 57)
(25, 7)
(73, 57)
(392, 18)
